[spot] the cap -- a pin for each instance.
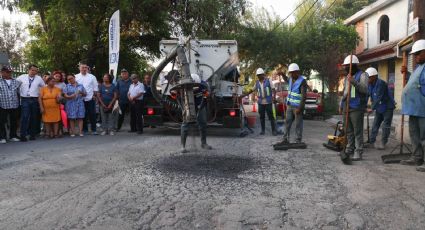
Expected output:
(124, 70)
(6, 68)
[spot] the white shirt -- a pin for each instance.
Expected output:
(36, 83)
(89, 83)
(136, 89)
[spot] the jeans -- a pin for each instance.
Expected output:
(299, 124)
(417, 136)
(90, 108)
(13, 118)
(201, 119)
(385, 117)
(108, 120)
(355, 131)
(136, 116)
(124, 109)
(30, 116)
(262, 110)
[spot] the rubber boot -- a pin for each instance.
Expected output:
(183, 142)
(204, 144)
(263, 126)
(273, 125)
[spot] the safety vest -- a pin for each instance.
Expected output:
(413, 101)
(267, 91)
(357, 100)
(294, 94)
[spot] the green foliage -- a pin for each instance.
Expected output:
(342, 9)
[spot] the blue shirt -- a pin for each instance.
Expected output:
(107, 93)
(380, 96)
(122, 88)
(413, 96)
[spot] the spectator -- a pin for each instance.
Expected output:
(91, 86)
(59, 80)
(135, 96)
(9, 104)
(147, 84)
(122, 87)
(74, 107)
(29, 91)
(49, 100)
(45, 76)
(107, 96)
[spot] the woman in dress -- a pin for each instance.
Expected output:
(49, 100)
(57, 75)
(107, 96)
(74, 107)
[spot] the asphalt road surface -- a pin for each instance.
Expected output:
(142, 182)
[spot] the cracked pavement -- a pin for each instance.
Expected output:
(142, 182)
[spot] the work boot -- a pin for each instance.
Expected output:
(412, 162)
(345, 158)
(357, 156)
(420, 168)
(206, 146)
(262, 132)
(183, 150)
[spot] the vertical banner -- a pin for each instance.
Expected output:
(114, 43)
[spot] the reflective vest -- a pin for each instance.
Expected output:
(357, 99)
(294, 94)
(267, 91)
(413, 101)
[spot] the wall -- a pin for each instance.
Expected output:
(383, 70)
(398, 15)
(360, 29)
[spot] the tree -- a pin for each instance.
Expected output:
(12, 40)
(342, 9)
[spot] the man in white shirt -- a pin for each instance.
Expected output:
(91, 86)
(29, 91)
(135, 97)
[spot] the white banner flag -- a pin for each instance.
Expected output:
(114, 43)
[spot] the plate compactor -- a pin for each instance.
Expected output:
(336, 141)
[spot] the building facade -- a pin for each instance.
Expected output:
(383, 28)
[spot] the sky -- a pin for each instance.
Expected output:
(280, 7)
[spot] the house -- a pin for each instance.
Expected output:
(383, 28)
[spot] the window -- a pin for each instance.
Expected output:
(384, 29)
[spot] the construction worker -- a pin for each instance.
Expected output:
(383, 104)
(266, 96)
(201, 94)
(413, 99)
(356, 108)
(297, 94)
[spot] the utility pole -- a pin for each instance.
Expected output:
(419, 11)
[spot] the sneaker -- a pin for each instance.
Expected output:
(14, 139)
(412, 162)
(23, 139)
(32, 138)
(94, 133)
(81, 135)
(102, 133)
(357, 156)
(72, 135)
(183, 150)
(112, 133)
(205, 146)
(3, 141)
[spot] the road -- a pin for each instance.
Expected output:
(142, 182)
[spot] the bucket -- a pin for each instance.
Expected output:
(251, 121)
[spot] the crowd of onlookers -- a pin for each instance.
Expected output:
(58, 103)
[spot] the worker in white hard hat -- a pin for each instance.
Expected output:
(295, 101)
(382, 102)
(201, 94)
(265, 90)
(413, 99)
(356, 108)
